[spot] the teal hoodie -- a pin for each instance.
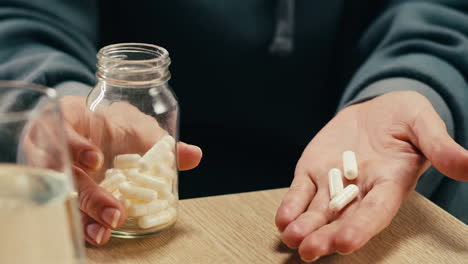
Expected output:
(257, 79)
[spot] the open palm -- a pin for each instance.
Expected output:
(395, 137)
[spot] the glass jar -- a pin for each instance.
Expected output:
(134, 120)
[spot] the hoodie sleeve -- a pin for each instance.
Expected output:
(421, 46)
(49, 42)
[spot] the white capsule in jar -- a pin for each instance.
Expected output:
(155, 154)
(166, 194)
(165, 172)
(126, 202)
(161, 218)
(111, 183)
(170, 159)
(150, 208)
(147, 181)
(170, 140)
(117, 193)
(111, 172)
(126, 161)
(131, 191)
(344, 197)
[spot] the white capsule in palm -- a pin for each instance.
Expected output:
(335, 182)
(344, 197)
(350, 166)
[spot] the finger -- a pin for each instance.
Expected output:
(96, 202)
(33, 155)
(84, 153)
(371, 216)
(296, 200)
(188, 156)
(440, 149)
(320, 242)
(37, 152)
(95, 233)
(316, 216)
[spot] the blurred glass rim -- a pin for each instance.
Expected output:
(46, 92)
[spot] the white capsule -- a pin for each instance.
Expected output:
(157, 154)
(150, 208)
(126, 161)
(344, 197)
(131, 191)
(111, 172)
(165, 172)
(117, 194)
(111, 183)
(146, 181)
(166, 194)
(335, 182)
(169, 140)
(160, 218)
(350, 167)
(170, 159)
(126, 203)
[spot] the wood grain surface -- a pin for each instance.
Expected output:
(239, 228)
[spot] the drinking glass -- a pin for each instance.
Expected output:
(39, 220)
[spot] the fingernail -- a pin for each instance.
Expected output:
(192, 146)
(95, 231)
(344, 253)
(111, 216)
(100, 234)
(310, 260)
(197, 147)
(91, 159)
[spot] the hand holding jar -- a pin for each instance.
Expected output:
(128, 112)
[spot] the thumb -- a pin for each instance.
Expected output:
(95, 202)
(440, 149)
(188, 156)
(84, 153)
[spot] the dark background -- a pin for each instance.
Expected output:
(252, 112)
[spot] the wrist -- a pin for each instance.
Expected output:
(411, 86)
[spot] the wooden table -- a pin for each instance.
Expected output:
(239, 228)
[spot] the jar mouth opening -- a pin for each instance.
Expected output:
(134, 64)
(132, 58)
(133, 52)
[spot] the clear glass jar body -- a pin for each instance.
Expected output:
(134, 120)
